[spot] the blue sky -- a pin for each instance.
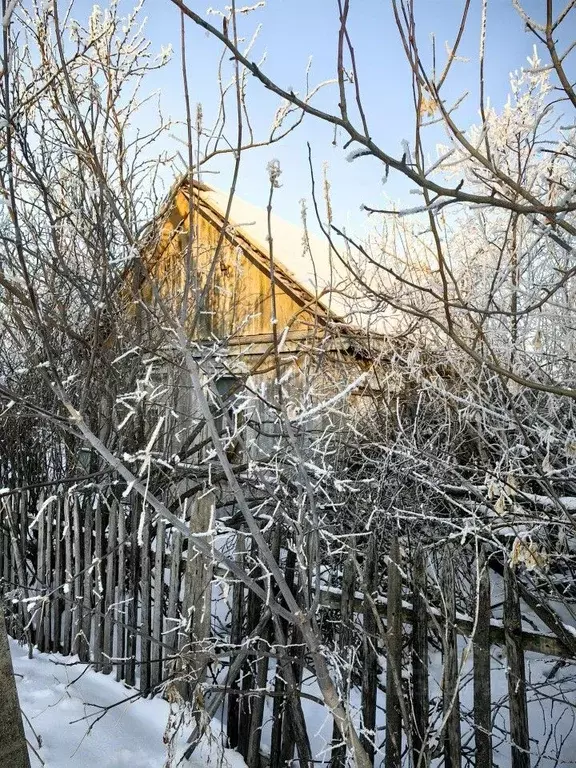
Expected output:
(294, 30)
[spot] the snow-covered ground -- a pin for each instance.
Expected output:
(61, 699)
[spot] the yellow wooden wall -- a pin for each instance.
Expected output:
(238, 297)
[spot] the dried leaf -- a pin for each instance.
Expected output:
(428, 106)
(500, 506)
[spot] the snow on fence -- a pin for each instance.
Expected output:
(93, 575)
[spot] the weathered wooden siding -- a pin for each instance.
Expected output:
(235, 292)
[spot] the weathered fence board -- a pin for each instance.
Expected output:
(98, 589)
(370, 661)
(110, 561)
(450, 678)
(145, 600)
(516, 674)
(67, 578)
(157, 606)
(394, 658)
(78, 582)
(120, 596)
(87, 594)
(420, 695)
(129, 594)
(482, 683)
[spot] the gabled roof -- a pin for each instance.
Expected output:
(306, 267)
(305, 259)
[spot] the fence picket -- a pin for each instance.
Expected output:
(68, 580)
(261, 678)
(145, 602)
(482, 685)
(420, 693)
(132, 594)
(370, 666)
(450, 682)
(111, 557)
(6, 560)
(120, 596)
(57, 580)
(41, 640)
(516, 673)
(157, 607)
(98, 589)
(86, 634)
(172, 612)
(196, 607)
(46, 605)
(78, 580)
(394, 658)
(254, 607)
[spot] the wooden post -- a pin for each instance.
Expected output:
(157, 608)
(13, 748)
(6, 545)
(6, 565)
(110, 543)
(48, 535)
(132, 593)
(197, 606)
(394, 658)
(420, 693)
(68, 580)
(98, 589)
(145, 604)
(289, 642)
(172, 612)
(22, 553)
(295, 735)
(516, 673)
(370, 669)
(78, 581)
(86, 636)
(482, 683)
(41, 576)
(120, 609)
(450, 694)
(56, 603)
(18, 562)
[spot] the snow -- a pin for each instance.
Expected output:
(61, 699)
(547, 502)
(309, 259)
(570, 629)
(315, 268)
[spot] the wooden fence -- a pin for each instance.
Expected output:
(92, 575)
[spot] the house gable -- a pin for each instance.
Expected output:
(232, 282)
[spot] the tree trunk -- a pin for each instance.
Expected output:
(13, 749)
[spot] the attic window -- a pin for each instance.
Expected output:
(225, 386)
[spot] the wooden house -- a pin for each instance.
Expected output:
(260, 304)
(247, 276)
(259, 299)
